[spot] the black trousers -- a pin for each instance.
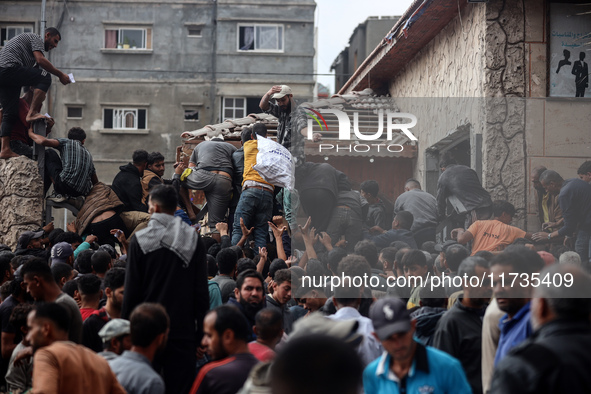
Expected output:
(53, 168)
(178, 365)
(318, 203)
(11, 81)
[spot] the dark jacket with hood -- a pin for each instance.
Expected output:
(128, 187)
(555, 359)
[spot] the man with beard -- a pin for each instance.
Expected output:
(226, 337)
(39, 282)
(60, 366)
(153, 174)
(459, 331)
(556, 358)
(292, 129)
(147, 279)
(407, 365)
(513, 300)
(250, 297)
(114, 285)
(149, 325)
(153, 177)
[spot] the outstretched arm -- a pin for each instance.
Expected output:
(46, 65)
(40, 140)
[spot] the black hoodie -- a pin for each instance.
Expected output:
(128, 187)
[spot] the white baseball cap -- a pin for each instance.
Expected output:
(284, 91)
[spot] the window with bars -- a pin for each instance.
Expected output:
(9, 31)
(260, 38)
(124, 118)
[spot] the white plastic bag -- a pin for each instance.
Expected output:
(274, 163)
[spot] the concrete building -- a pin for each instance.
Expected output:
(496, 85)
(147, 70)
(366, 36)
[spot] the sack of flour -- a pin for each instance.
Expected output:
(274, 163)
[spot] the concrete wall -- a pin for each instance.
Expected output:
(557, 131)
(448, 75)
(176, 73)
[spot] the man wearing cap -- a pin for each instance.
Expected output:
(290, 117)
(115, 336)
(408, 366)
(32, 243)
(62, 253)
(283, 110)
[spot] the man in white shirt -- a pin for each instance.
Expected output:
(347, 301)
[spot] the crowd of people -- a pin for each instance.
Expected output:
(134, 296)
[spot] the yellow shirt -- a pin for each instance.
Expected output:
(545, 207)
(250, 159)
(493, 235)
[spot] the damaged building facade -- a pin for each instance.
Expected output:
(147, 70)
(485, 82)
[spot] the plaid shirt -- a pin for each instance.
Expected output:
(294, 142)
(77, 165)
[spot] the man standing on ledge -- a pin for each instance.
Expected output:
(22, 63)
(290, 117)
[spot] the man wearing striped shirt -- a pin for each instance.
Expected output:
(73, 175)
(22, 63)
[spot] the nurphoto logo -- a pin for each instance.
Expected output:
(344, 123)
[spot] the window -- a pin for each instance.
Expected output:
(260, 38)
(194, 31)
(233, 107)
(74, 113)
(128, 38)
(124, 118)
(10, 31)
(191, 114)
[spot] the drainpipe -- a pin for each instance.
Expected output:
(212, 89)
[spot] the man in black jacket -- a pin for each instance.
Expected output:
(556, 358)
(127, 183)
(166, 264)
(459, 185)
(459, 332)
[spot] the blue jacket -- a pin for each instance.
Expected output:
(432, 371)
(513, 331)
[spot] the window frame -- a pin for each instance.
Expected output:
(16, 25)
(80, 107)
(146, 37)
(123, 129)
(233, 108)
(255, 25)
(185, 109)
